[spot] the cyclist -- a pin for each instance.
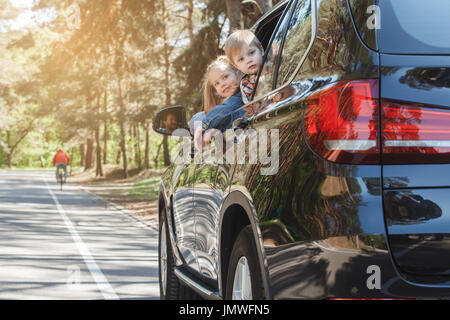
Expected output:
(61, 160)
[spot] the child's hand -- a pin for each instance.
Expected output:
(208, 136)
(282, 94)
(276, 97)
(252, 108)
(203, 138)
(248, 111)
(198, 138)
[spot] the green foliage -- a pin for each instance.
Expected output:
(127, 59)
(192, 74)
(191, 63)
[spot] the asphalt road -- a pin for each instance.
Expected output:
(67, 245)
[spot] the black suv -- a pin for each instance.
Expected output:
(356, 202)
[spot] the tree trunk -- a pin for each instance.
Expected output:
(234, 14)
(137, 146)
(123, 148)
(105, 129)
(88, 163)
(89, 154)
(72, 151)
(8, 160)
(122, 133)
(157, 155)
(9, 153)
(189, 20)
(166, 152)
(99, 170)
(12, 147)
(82, 154)
(131, 134)
(147, 145)
(118, 157)
(166, 79)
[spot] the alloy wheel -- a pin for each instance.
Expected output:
(242, 284)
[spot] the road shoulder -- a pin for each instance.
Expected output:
(136, 196)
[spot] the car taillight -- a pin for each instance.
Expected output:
(341, 122)
(415, 133)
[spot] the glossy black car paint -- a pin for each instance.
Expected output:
(321, 228)
(416, 196)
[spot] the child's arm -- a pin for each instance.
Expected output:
(221, 117)
(252, 108)
(260, 105)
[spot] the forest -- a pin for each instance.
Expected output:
(88, 76)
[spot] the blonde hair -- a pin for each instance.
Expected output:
(210, 96)
(238, 39)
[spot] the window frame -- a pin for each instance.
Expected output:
(278, 10)
(283, 40)
(287, 10)
(300, 63)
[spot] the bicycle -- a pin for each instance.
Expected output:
(60, 178)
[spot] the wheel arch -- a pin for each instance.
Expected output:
(162, 200)
(165, 205)
(237, 212)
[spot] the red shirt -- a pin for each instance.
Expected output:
(61, 156)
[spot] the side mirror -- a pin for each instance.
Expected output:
(169, 119)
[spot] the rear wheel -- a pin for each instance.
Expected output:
(61, 180)
(244, 280)
(186, 293)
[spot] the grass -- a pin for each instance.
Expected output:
(139, 192)
(145, 189)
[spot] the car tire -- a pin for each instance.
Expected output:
(186, 293)
(244, 268)
(169, 285)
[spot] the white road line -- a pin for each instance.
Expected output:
(405, 251)
(102, 283)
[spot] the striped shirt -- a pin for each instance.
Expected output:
(247, 85)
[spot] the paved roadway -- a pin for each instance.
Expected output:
(66, 245)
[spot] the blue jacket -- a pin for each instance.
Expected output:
(196, 121)
(221, 117)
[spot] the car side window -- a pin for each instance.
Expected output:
(267, 74)
(297, 40)
(288, 46)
